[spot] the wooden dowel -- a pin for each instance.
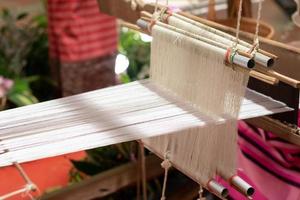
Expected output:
(147, 17)
(133, 27)
(253, 73)
(146, 14)
(211, 15)
(243, 53)
(238, 60)
(263, 77)
(281, 77)
(225, 28)
(267, 54)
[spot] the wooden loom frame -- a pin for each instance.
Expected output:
(262, 76)
(267, 123)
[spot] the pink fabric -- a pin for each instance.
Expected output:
(269, 164)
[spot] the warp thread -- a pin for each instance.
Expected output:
(195, 73)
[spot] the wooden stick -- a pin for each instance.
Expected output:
(211, 15)
(225, 28)
(282, 130)
(145, 16)
(281, 77)
(253, 73)
(133, 27)
(243, 63)
(271, 77)
(263, 77)
(212, 42)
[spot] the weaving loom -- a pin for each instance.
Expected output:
(185, 113)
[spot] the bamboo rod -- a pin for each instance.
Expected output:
(272, 73)
(263, 77)
(133, 27)
(253, 73)
(189, 34)
(281, 77)
(243, 46)
(219, 26)
(207, 40)
(242, 62)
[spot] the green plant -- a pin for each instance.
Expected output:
(138, 52)
(21, 38)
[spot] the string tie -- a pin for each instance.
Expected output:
(150, 25)
(201, 193)
(230, 54)
(166, 164)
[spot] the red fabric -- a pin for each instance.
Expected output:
(46, 174)
(78, 31)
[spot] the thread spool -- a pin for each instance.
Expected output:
(217, 188)
(243, 61)
(242, 186)
(142, 24)
(264, 60)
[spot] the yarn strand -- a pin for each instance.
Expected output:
(256, 36)
(25, 191)
(238, 25)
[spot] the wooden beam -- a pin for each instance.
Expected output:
(107, 182)
(291, 134)
(233, 7)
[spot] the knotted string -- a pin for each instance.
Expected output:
(156, 5)
(166, 164)
(201, 193)
(159, 15)
(27, 189)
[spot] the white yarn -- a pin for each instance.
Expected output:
(256, 36)
(238, 25)
(104, 117)
(196, 73)
(26, 190)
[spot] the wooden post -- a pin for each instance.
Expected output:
(211, 15)
(233, 7)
